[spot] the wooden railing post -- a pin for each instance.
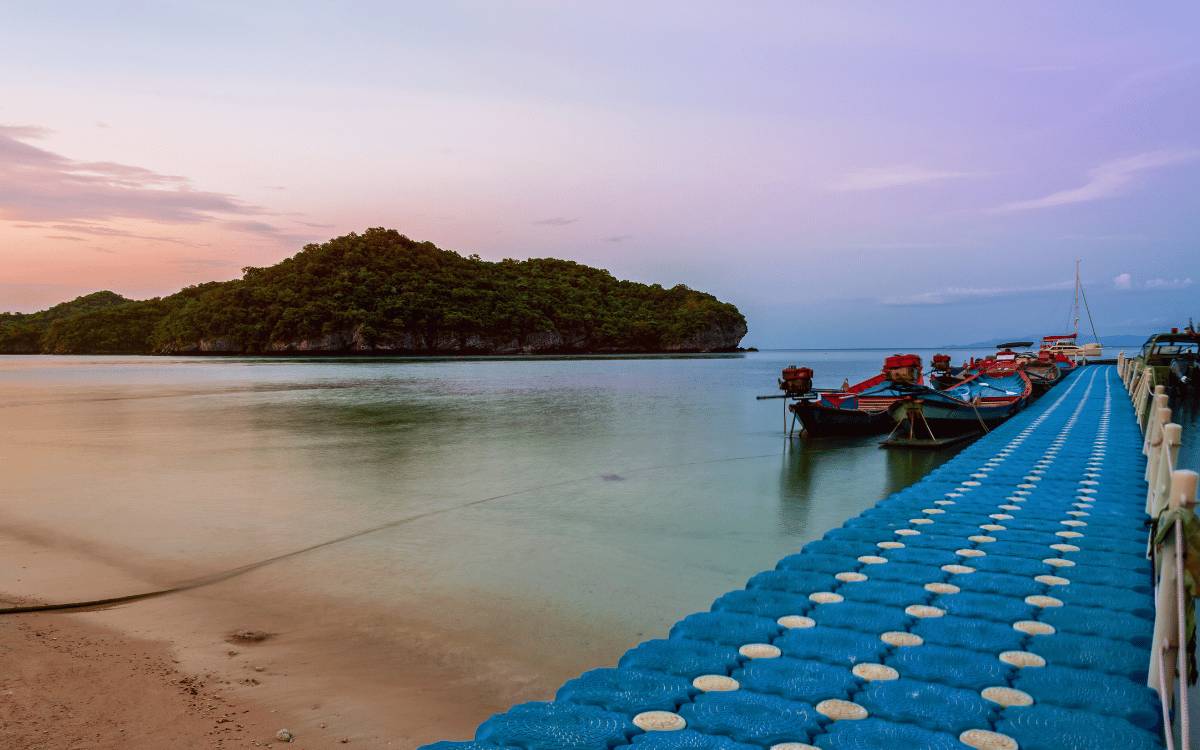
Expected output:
(1183, 495)
(1144, 396)
(1154, 441)
(1160, 466)
(1154, 425)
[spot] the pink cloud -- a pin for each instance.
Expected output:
(38, 185)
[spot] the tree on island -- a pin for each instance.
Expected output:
(381, 292)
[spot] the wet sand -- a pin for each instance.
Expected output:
(72, 684)
(169, 670)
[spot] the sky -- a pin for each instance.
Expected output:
(848, 174)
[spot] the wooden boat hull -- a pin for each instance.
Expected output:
(949, 419)
(1042, 378)
(822, 421)
(965, 408)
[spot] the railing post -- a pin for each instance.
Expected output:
(1183, 495)
(1161, 464)
(1154, 441)
(1130, 377)
(1137, 398)
(1151, 402)
(1142, 405)
(1121, 364)
(1154, 425)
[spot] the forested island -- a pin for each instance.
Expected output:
(380, 292)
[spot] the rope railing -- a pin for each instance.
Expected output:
(1170, 491)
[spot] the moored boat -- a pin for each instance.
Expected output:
(859, 409)
(943, 374)
(1040, 368)
(1042, 372)
(976, 404)
(1065, 348)
(1175, 359)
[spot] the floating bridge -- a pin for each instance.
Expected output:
(1004, 601)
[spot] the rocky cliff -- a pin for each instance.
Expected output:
(718, 338)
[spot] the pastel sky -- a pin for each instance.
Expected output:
(848, 174)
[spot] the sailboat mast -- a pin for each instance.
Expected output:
(1076, 308)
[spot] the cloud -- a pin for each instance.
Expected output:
(64, 237)
(100, 230)
(1122, 281)
(1109, 179)
(40, 186)
(1168, 283)
(953, 294)
(555, 221)
(252, 226)
(618, 238)
(882, 178)
(24, 132)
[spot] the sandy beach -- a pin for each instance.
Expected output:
(172, 670)
(68, 683)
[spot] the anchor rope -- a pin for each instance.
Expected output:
(225, 575)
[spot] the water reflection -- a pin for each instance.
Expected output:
(208, 463)
(906, 466)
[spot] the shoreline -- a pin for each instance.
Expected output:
(171, 672)
(384, 354)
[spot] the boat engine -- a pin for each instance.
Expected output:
(1184, 376)
(941, 362)
(796, 381)
(903, 368)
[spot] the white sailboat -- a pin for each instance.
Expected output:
(1068, 344)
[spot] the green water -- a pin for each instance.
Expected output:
(629, 491)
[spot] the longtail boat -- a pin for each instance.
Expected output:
(1043, 372)
(943, 374)
(1040, 368)
(985, 398)
(859, 409)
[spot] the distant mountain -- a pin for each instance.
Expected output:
(382, 293)
(1114, 340)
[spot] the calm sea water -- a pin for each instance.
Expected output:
(627, 491)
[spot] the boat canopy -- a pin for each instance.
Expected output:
(1164, 346)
